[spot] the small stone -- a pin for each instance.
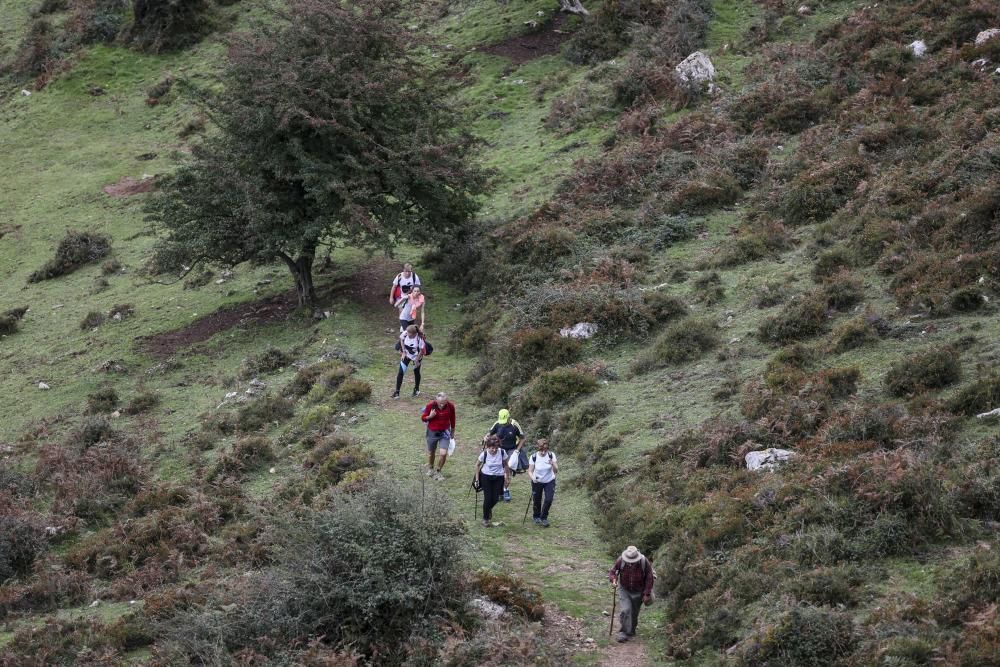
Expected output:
(273, 470)
(116, 414)
(918, 48)
(43, 386)
(131, 601)
(804, 10)
(95, 603)
(25, 93)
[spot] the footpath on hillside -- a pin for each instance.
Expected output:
(566, 561)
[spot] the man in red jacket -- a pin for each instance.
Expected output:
(633, 574)
(439, 415)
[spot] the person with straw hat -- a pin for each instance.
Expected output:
(632, 575)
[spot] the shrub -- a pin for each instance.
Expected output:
(165, 25)
(803, 637)
(714, 190)
(97, 21)
(144, 401)
(102, 401)
(966, 300)
(268, 361)
(92, 320)
(619, 312)
(75, 250)
(708, 289)
(815, 195)
(20, 543)
(38, 52)
(247, 455)
(111, 266)
(556, 386)
(263, 412)
(95, 429)
(982, 395)
(842, 291)
(585, 415)
(770, 294)
(517, 357)
(828, 585)
(52, 6)
(683, 341)
(662, 306)
(354, 573)
(8, 325)
(853, 334)
(352, 391)
(199, 279)
(751, 246)
(328, 374)
(121, 311)
(931, 369)
(831, 263)
(512, 593)
(802, 318)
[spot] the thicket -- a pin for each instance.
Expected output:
(75, 250)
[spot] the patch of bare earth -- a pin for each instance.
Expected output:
(129, 186)
(272, 309)
(545, 40)
(626, 654)
(567, 632)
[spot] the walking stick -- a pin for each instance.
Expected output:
(530, 500)
(614, 604)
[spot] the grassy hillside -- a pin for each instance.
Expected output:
(803, 257)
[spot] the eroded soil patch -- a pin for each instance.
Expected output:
(129, 186)
(544, 41)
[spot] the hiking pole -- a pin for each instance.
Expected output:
(530, 500)
(614, 604)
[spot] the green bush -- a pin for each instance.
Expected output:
(328, 374)
(516, 358)
(352, 391)
(75, 250)
(95, 429)
(247, 455)
(585, 415)
(166, 25)
(830, 263)
(662, 306)
(982, 395)
(803, 637)
(102, 401)
(268, 361)
(828, 585)
(931, 369)
(853, 334)
(708, 289)
(144, 401)
(842, 291)
(20, 544)
(801, 318)
(8, 325)
(37, 53)
(92, 320)
(556, 386)
(683, 341)
(815, 195)
(358, 573)
(263, 412)
(98, 21)
(966, 300)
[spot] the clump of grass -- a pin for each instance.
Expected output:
(102, 401)
(801, 318)
(853, 334)
(247, 455)
(95, 429)
(352, 391)
(683, 341)
(318, 380)
(831, 263)
(268, 361)
(93, 319)
(708, 289)
(930, 369)
(111, 266)
(512, 593)
(121, 311)
(144, 401)
(966, 300)
(199, 279)
(556, 386)
(982, 395)
(664, 307)
(263, 412)
(803, 636)
(75, 250)
(842, 290)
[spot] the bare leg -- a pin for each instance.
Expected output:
(442, 457)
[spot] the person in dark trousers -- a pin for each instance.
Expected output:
(411, 351)
(511, 437)
(634, 575)
(439, 415)
(492, 474)
(542, 469)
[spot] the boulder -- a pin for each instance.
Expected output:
(987, 35)
(580, 330)
(767, 459)
(918, 48)
(696, 69)
(804, 10)
(487, 609)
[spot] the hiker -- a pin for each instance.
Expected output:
(492, 474)
(402, 283)
(412, 348)
(439, 415)
(409, 307)
(511, 438)
(633, 574)
(542, 469)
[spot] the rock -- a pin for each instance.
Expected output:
(981, 38)
(487, 609)
(273, 470)
(695, 69)
(918, 48)
(992, 413)
(980, 63)
(580, 330)
(804, 10)
(767, 459)
(53, 531)
(43, 386)
(25, 93)
(116, 414)
(228, 274)
(95, 603)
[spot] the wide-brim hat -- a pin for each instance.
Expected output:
(631, 555)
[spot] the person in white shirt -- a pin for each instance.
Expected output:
(403, 283)
(542, 469)
(492, 474)
(412, 347)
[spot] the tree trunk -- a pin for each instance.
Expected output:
(301, 269)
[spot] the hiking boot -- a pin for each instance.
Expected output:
(506, 495)
(622, 637)
(438, 477)
(486, 523)
(395, 394)
(416, 392)
(545, 523)
(537, 521)
(429, 472)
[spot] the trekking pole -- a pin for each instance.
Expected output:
(614, 604)
(530, 501)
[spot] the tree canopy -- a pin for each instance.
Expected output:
(329, 131)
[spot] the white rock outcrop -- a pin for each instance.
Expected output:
(767, 459)
(918, 48)
(987, 35)
(696, 69)
(580, 330)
